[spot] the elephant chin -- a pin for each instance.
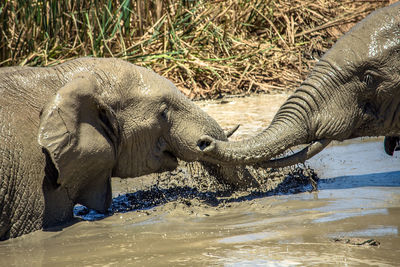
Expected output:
(97, 195)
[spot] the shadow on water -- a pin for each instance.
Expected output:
(384, 179)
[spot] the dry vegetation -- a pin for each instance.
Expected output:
(207, 48)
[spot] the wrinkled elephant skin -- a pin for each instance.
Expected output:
(353, 91)
(66, 130)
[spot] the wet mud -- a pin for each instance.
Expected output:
(194, 184)
(197, 216)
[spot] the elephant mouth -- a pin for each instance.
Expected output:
(170, 161)
(167, 159)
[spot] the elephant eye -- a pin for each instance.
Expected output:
(368, 80)
(164, 113)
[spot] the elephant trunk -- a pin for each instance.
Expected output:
(294, 124)
(272, 141)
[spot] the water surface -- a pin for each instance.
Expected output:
(358, 197)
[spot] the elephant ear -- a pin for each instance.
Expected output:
(80, 134)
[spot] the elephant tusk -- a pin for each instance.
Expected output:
(299, 157)
(232, 131)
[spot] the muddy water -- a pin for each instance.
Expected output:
(358, 202)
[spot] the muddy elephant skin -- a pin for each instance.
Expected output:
(353, 91)
(66, 130)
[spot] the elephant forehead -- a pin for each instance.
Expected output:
(371, 38)
(385, 37)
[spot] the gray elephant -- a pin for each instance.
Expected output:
(353, 91)
(65, 130)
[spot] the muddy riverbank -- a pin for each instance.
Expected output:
(352, 220)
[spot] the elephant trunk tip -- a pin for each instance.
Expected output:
(206, 144)
(391, 144)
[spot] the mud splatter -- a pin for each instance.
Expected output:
(201, 184)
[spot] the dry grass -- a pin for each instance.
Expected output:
(207, 48)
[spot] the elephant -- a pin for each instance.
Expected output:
(66, 130)
(353, 91)
(391, 144)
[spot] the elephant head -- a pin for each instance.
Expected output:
(111, 118)
(353, 91)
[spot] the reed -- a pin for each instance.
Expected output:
(207, 47)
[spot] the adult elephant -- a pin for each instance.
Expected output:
(65, 130)
(353, 91)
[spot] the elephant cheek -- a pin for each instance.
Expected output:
(164, 161)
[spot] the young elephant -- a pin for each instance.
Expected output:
(353, 91)
(65, 130)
